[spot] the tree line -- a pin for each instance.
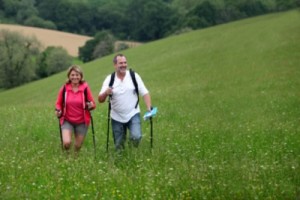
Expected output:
(138, 20)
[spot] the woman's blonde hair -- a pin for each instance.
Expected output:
(77, 69)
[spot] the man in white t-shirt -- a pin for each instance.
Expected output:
(125, 113)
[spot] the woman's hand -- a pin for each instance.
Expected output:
(89, 105)
(58, 113)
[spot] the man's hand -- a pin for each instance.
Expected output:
(109, 91)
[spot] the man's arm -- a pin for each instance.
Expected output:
(102, 96)
(147, 100)
(105, 90)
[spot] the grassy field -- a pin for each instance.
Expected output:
(228, 122)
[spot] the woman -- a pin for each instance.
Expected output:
(73, 105)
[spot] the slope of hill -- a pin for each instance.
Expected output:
(227, 125)
(251, 43)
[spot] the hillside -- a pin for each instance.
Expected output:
(254, 43)
(70, 42)
(227, 125)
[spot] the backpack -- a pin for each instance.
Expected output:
(132, 74)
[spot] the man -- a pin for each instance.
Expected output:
(125, 111)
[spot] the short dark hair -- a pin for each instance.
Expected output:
(115, 57)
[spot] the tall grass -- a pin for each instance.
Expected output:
(227, 124)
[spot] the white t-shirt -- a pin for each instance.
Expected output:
(124, 97)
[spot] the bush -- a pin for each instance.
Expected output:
(121, 46)
(39, 22)
(17, 55)
(52, 60)
(101, 45)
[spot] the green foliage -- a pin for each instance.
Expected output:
(286, 4)
(25, 9)
(122, 46)
(203, 15)
(252, 8)
(22, 62)
(52, 61)
(36, 21)
(101, 45)
(105, 45)
(137, 20)
(16, 59)
(151, 19)
(227, 124)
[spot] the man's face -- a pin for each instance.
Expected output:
(121, 64)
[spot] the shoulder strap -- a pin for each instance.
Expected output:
(132, 74)
(63, 96)
(85, 94)
(112, 79)
(111, 82)
(85, 97)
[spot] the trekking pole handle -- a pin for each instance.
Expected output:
(109, 91)
(87, 105)
(58, 113)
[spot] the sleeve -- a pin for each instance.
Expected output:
(105, 85)
(141, 86)
(59, 99)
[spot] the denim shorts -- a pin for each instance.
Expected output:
(76, 128)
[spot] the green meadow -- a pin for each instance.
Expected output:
(227, 127)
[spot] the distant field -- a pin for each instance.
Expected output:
(227, 127)
(70, 42)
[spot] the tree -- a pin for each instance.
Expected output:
(52, 60)
(75, 16)
(47, 9)
(104, 47)
(113, 16)
(16, 58)
(203, 15)
(26, 9)
(252, 8)
(286, 4)
(10, 8)
(101, 45)
(36, 21)
(149, 20)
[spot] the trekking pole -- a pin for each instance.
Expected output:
(108, 121)
(93, 131)
(60, 132)
(151, 133)
(149, 115)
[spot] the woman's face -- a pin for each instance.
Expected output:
(75, 77)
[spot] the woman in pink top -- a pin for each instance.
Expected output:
(73, 105)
